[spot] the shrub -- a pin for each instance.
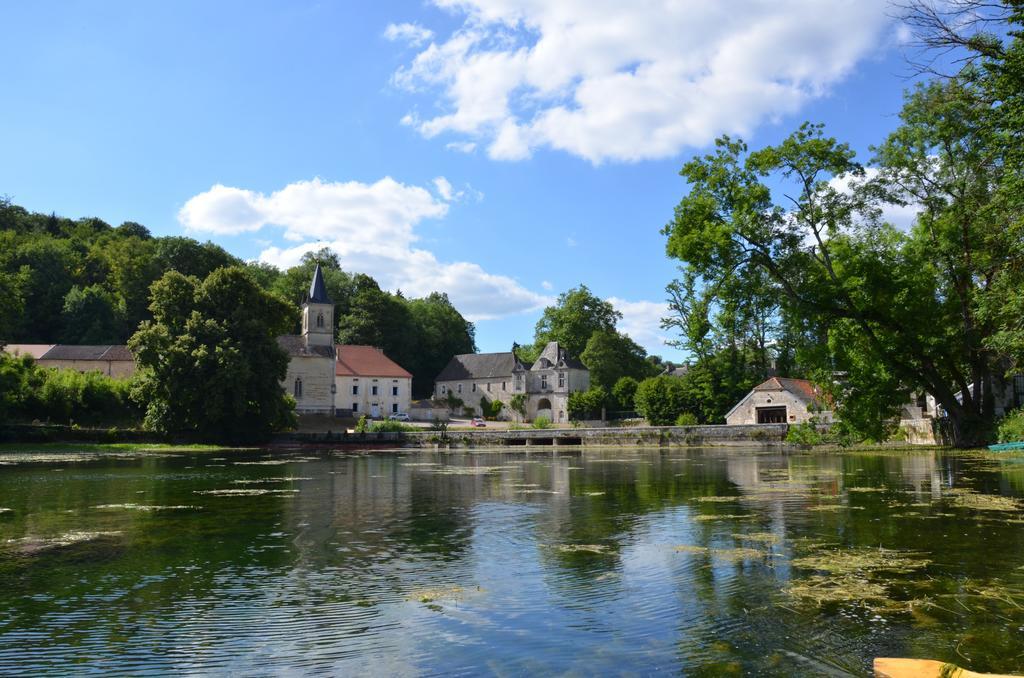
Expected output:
(805, 434)
(468, 412)
(541, 422)
(389, 426)
(361, 425)
(490, 408)
(686, 419)
(1011, 428)
(587, 404)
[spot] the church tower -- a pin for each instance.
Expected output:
(318, 314)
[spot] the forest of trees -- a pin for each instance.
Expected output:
(83, 281)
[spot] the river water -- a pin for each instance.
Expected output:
(702, 562)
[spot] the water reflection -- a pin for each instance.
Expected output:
(603, 561)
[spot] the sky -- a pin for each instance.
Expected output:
(500, 151)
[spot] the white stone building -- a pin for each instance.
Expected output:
(311, 355)
(781, 401)
(546, 384)
(370, 383)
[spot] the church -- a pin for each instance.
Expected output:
(312, 355)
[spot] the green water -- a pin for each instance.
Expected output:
(599, 562)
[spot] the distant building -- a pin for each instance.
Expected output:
(675, 370)
(546, 383)
(781, 401)
(112, 360)
(370, 383)
(311, 355)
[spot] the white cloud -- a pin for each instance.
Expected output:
(372, 228)
(444, 188)
(603, 83)
(641, 320)
(461, 146)
(546, 285)
(900, 216)
(570, 241)
(413, 34)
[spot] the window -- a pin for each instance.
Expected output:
(298, 387)
(444, 389)
(460, 388)
(394, 408)
(544, 381)
(373, 390)
(474, 388)
(519, 382)
(561, 380)
(355, 407)
(320, 319)
(503, 386)
(394, 390)
(488, 387)
(355, 389)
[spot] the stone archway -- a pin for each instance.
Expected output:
(543, 409)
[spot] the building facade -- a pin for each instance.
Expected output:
(311, 355)
(545, 385)
(781, 401)
(368, 382)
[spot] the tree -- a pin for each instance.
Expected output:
(91, 316)
(610, 356)
(439, 332)
(377, 318)
(573, 319)
(517, 403)
(910, 300)
(660, 400)
(624, 392)
(209, 359)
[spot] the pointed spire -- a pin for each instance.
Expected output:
(317, 288)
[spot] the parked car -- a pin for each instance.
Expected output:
(399, 416)
(478, 421)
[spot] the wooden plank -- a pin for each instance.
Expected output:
(891, 667)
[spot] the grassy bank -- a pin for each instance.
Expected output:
(120, 448)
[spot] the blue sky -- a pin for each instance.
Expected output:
(502, 151)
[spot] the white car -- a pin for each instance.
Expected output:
(399, 416)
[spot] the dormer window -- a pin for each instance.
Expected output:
(298, 388)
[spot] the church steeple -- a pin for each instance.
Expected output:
(318, 313)
(317, 288)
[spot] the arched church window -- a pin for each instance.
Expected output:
(320, 319)
(298, 387)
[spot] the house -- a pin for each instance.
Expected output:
(781, 401)
(311, 355)
(112, 360)
(546, 384)
(368, 382)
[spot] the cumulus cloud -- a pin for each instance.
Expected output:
(641, 320)
(597, 81)
(413, 34)
(372, 228)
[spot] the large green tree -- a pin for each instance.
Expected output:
(440, 332)
(573, 319)
(610, 356)
(209, 359)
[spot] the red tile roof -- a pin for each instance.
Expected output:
(801, 388)
(366, 361)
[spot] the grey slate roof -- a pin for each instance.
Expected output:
(294, 346)
(70, 352)
(317, 288)
(553, 356)
(478, 366)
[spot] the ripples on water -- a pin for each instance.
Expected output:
(549, 562)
